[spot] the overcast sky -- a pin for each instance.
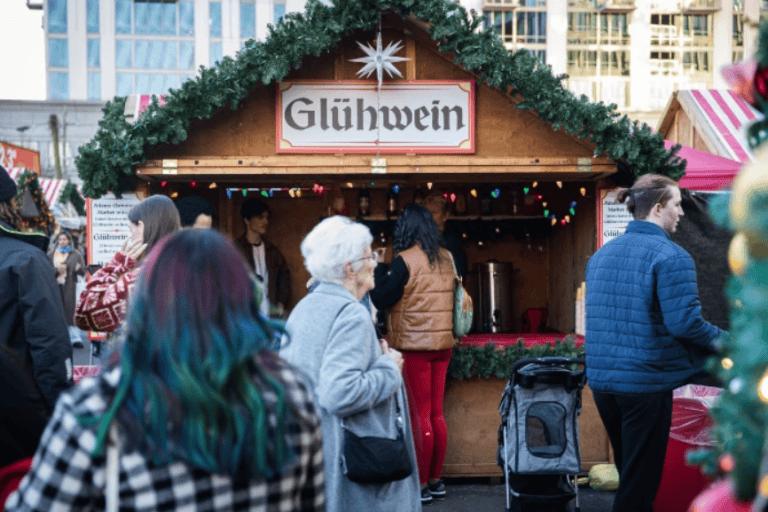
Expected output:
(23, 52)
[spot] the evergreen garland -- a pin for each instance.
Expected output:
(491, 361)
(45, 221)
(106, 163)
(72, 196)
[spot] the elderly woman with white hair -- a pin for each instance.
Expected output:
(358, 385)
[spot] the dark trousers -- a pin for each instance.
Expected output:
(638, 428)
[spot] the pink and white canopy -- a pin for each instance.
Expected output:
(51, 187)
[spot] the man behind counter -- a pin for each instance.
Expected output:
(265, 260)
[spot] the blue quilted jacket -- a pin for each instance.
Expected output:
(645, 333)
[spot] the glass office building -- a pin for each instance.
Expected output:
(97, 49)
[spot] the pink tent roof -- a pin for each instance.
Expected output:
(705, 171)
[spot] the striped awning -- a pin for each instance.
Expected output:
(52, 188)
(721, 118)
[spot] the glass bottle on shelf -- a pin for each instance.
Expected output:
(461, 204)
(392, 207)
(364, 203)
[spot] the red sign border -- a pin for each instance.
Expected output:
(423, 150)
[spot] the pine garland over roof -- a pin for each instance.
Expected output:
(107, 162)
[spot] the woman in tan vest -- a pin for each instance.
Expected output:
(417, 291)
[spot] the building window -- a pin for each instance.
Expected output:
(216, 51)
(94, 86)
(123, 53)
(738, 30)
(279, 11)
(186, 19)
(186, 55)
(94, 53)
(123, 16)
(582, 28)
(531, 27)
(614, 63)
(58, 85)
(697, 62)
(501, 23)
(92, 16)
(215, 19)
(614, 29)
(155, 54)
(57, 16)
(582, 62)
(58, 53)
(247, 20)
(123, 84)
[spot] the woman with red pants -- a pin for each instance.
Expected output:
(417, 292)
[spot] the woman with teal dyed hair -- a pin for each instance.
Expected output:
(204, 414)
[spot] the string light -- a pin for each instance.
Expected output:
(546, 213)
(212, 185)
(559, 184)
(350, 184)
(291, 192)
(526, 190)
(193, 184)
(245, 192)
(554, 221)
(229, 193)
(583, 191)
(726, 463)
(495, 193)
(174, 195)
(453, 198)
(535, 184)
(265, 193)
(396, 189)
(762, 388)
(298, 192)
(727, 363)
(567, 218)
(544, 204)
(429, 185)
(163, 183)
(473, 192)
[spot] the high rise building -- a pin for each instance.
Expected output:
(99, 49)
(633, 53)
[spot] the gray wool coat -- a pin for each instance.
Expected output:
(331, 337)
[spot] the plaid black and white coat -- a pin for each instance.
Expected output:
(64, 476)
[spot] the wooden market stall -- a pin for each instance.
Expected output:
(530, 189)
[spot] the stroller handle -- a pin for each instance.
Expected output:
(551, 361)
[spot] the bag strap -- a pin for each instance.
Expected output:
(398, 420)
(112, 496)
(456, 275)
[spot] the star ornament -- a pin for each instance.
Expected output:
(379, 60)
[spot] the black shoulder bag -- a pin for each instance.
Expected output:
(376, 460)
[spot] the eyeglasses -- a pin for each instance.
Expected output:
(375, 256)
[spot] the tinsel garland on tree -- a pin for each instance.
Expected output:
(45, 221)
(71, 195)
(106, 163)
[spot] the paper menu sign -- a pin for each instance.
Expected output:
(612, 216)
(108, 226)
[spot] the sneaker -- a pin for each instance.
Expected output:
(437, 489)
(426, 496)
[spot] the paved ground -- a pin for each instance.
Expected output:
(486, 495)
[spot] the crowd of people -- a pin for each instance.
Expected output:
(210, 402)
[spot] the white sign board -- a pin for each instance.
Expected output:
(352, 116)
(108, 226)
(612, 217)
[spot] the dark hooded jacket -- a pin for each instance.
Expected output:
(33, 336)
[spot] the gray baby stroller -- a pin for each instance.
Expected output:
(539, 434)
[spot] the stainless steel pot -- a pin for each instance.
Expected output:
(494, 285)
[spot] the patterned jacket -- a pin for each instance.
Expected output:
(66, 476)
(645, 333)
(101, 306)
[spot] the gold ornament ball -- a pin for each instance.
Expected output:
(748, 187)
(738, 254)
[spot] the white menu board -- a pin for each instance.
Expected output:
(612, 216)
(108, 226)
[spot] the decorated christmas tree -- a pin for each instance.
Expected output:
(741, 413)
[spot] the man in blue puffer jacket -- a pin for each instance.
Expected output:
(645, 336)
